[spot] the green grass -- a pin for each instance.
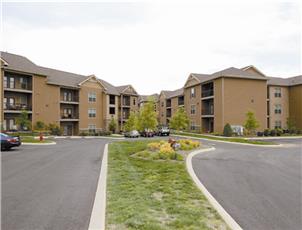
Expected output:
(146, 194)
(231, 139)
(29, 139)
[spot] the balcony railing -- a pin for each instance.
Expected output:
(70, 116)
(207, 93)
(168, 104)
(72, 99)
(19, 87)
(17, 106)
(207, 111)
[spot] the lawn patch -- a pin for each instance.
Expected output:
(153, 194)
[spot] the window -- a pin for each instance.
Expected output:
(278, 92)
(193, 109)
(23, 83)
(11, 124)
(91, 128)
(5, 82)
(67, 113)
(91, 112)
(278, 125)
(67, 96)
(92, 97)
(192, 92)
(134, 101)
(5, 102)
(112, 110)
(193, 126)
(11, 102)
(112, 100)
(278, 109)
(11, 82)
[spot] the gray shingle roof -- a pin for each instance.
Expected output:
(110, 89)
(144, 98)
(175, 93)
(278, 81)
(19, 63)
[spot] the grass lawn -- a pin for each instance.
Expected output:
(231, 139)
(31, 139)
(148, 194)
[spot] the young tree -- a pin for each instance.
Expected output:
(290, 124)
(227, 130)
(147, 118)
(131, 123)
(40, 126)
(23, 121)
(179, 120)
(251, 124)
(112, 125)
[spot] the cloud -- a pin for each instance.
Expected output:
(156, 46)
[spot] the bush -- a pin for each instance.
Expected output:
(279, 132)
(266, 132)
(54, 129)
(104, 133)
(83, 134)
(273, 132)
(188, 144)
(260, 134)
(299, 132)
(154, 146)
(227, 130)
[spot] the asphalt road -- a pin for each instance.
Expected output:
(50, 187)
(259, 187)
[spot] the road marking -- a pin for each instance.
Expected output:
(222, 212)
(98, 215)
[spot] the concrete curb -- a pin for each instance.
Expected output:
(229, 142)
(224, 214)
(51, 143)
(98, 214)
(274, 138)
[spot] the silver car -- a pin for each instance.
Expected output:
(132, 134)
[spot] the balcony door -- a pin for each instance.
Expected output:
(67, 113)
(67, 130)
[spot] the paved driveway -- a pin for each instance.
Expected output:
(50, 187)
(259, 187)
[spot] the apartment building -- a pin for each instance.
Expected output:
(284, 101)
(145, 98)
(169, 102)
(76, 103)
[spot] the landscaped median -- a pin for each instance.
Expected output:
(148, 187)
(226, 139)
(31, 140)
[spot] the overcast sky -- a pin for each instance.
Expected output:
(155, 46)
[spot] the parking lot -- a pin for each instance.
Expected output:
(260, 187)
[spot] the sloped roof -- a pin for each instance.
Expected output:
(19, 63)
(175, 93)
(110, 89)
(63, 78)
(278, 81)
(122, 88)
(144, 98)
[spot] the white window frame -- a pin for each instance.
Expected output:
(92, 113)
(278, 92)
(193, 109)
(92, 128)
(278, 109)
(192, 92)
(11, 82)
(278, 124)
(92, 97)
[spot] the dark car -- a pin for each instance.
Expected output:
(133, 133)
(7, 142)
(147, 133)
(163, 131)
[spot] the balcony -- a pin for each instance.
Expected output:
(207, 108)
(168, 113)
(69, 117)
(16, 107)
(22, 88)
(207, 93)
(207, 90)
(126, 101)
(168, 103)
(181, 101)
(208, 111)
(69, 96)
(71, 100)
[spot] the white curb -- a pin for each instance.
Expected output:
(274, 138)
(51, 143)
(229, 142)
(98, 215)
(224, 214)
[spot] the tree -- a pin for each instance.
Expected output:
(23, 121)
(112, 125)
(251, 124)
(40, 125)
(147, 118)
(131, 123)
(227, 130)
(179, 120)
(290, 124)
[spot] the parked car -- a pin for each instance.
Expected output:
(163, 131)
(7, 142)
(147, 133)
(132, 134)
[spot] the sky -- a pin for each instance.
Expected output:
(153, 45)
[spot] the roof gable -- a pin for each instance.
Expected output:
(254, 70)
(192, 80)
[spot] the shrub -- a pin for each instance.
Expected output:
(188, 144)
(154, 146)
(279, 132)
(166, 152)
(104, 133)
(299, 132)
(54, 129)
(266, 132)
(260, 134)
(40, 125)
(273, 132)
(227, 130)
(83, 134)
